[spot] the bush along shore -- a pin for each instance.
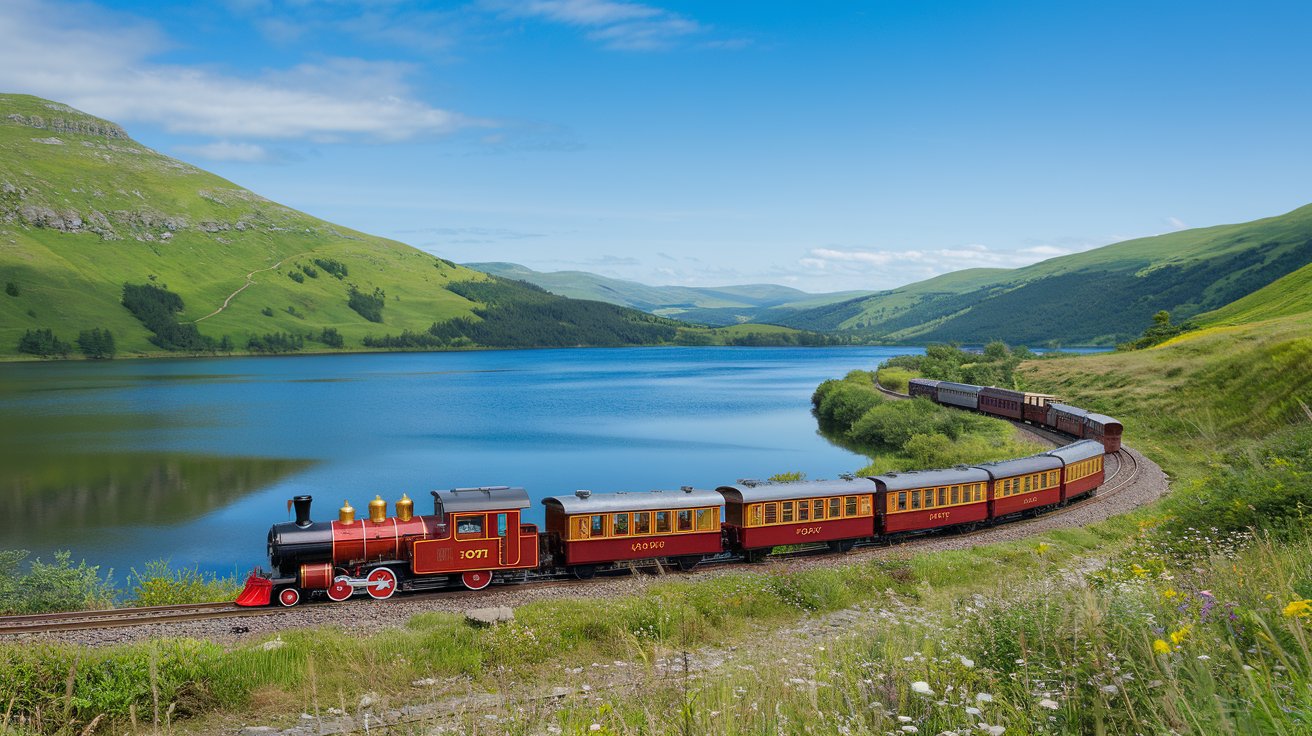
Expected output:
(39, 586)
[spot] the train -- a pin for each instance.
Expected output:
(477, 536)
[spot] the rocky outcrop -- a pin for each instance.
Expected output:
(79, 126)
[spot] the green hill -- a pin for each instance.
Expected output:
(1102, 296)
(85, 210)
(718, 305)
(1287, 296)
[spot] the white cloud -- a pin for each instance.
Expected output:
(625, 26)
(1177, 223)
(881, 269)
(229, 151)
(102, 63)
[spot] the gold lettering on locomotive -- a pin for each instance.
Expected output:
(473, 554)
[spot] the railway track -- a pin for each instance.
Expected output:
(115, 617)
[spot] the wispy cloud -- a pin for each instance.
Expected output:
(891, 268)
(625, 26)
(229, 151)
(103, 63)
(1177, 223)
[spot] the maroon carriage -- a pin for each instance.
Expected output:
(1067, 418)
(760, 516)
(1002, 402)
(1082, 470)
(1105, 430)
(589, 531)
(931, 499)
(926, 387)
(1024, 484)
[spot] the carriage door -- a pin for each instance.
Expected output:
(507, 531)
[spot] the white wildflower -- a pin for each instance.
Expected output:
(910, 729)
(595, 727)
(922, 687)
(983, 698)
(973, 710)
(904, 719)
(1110, 689)
(1049, 703)
(996, 730)
(967, 662)
(1203, 657)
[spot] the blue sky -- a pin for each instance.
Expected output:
(823, 145)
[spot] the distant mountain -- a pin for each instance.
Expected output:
(715, 305)
(90, 220)
(1102, 296)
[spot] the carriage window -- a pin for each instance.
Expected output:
(865, 505)
(787, 511)
(662, 522)
(469, 527)
(818, 512)
(771, 513)
(642, 523)
(501, 525)
(915, 499)
(979, 491)
(619, 525)
(755, 515)
(943, 496)
(956, 494)
(685, 520)
(901, 501)
(929, 498)
(598, 525)
(708, 519)
(803, 511)
(836, 507)
(1027, 484)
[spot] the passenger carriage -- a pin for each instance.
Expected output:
(1103, 429)
(1082, 470)
(1002, 402)
(594, 531)
(1024, 484)
(1066, 418)
(760, 516)
(930, 499)
(1035, 409)
(926, 387)
(964, 395)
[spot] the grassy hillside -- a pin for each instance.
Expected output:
(84, 210)
(1185, 273)
(1287, 296)
(719, 305)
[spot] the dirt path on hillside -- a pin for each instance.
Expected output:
(250, 281)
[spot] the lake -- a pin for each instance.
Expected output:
(192, 460)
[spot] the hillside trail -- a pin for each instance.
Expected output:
(250, 281)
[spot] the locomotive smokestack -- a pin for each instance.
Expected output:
(302, 504)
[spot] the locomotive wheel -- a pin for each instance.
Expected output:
(381, 583)
(340, 590)
(289, 597)
(687, 563)
(476, 580)
(584, 572)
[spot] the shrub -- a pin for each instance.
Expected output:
(157, 308)
(11, 288)
(161, 585)
(275, 342)
(369, 306)
(43, 342)
(310, 271)
(267, 311)
(296, 276)
(53, 586)
(336, 268)
(96, 343)
(331, 337)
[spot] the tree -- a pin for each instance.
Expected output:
(43, 342)
(96, 344)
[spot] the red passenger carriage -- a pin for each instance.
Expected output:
(1024, 484)
(760, 516)
(1104, 429)
(587, 532)
(931, 499)
(1082, 470)
(1066, 418)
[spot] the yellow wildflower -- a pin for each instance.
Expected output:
(1161, 647)
(1043, 547)
(1179, 634)
(1138, 571)
(1299, 609)
(1169, 593)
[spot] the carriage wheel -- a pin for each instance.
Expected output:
(842, 545)
(340, 590)
(584, 572)
(381, 583)
(476, 580)
(757, 555)
(289, 597)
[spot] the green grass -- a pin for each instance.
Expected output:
(1288, 296)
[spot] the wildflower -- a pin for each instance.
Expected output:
(1139, 572)
(904, 719)
(967, 662)
(1203, 657)
(995, 730)
(1049, 703)
(1161, 647)
(1180, 634)
(922, 687)
(595, 727)
(972, 710)
(910, 729)
(983, 698)
(1298, 609)
(1110, 689)
(1169, 593)
(1042, 547)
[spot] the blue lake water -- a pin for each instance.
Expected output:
(192, 460)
